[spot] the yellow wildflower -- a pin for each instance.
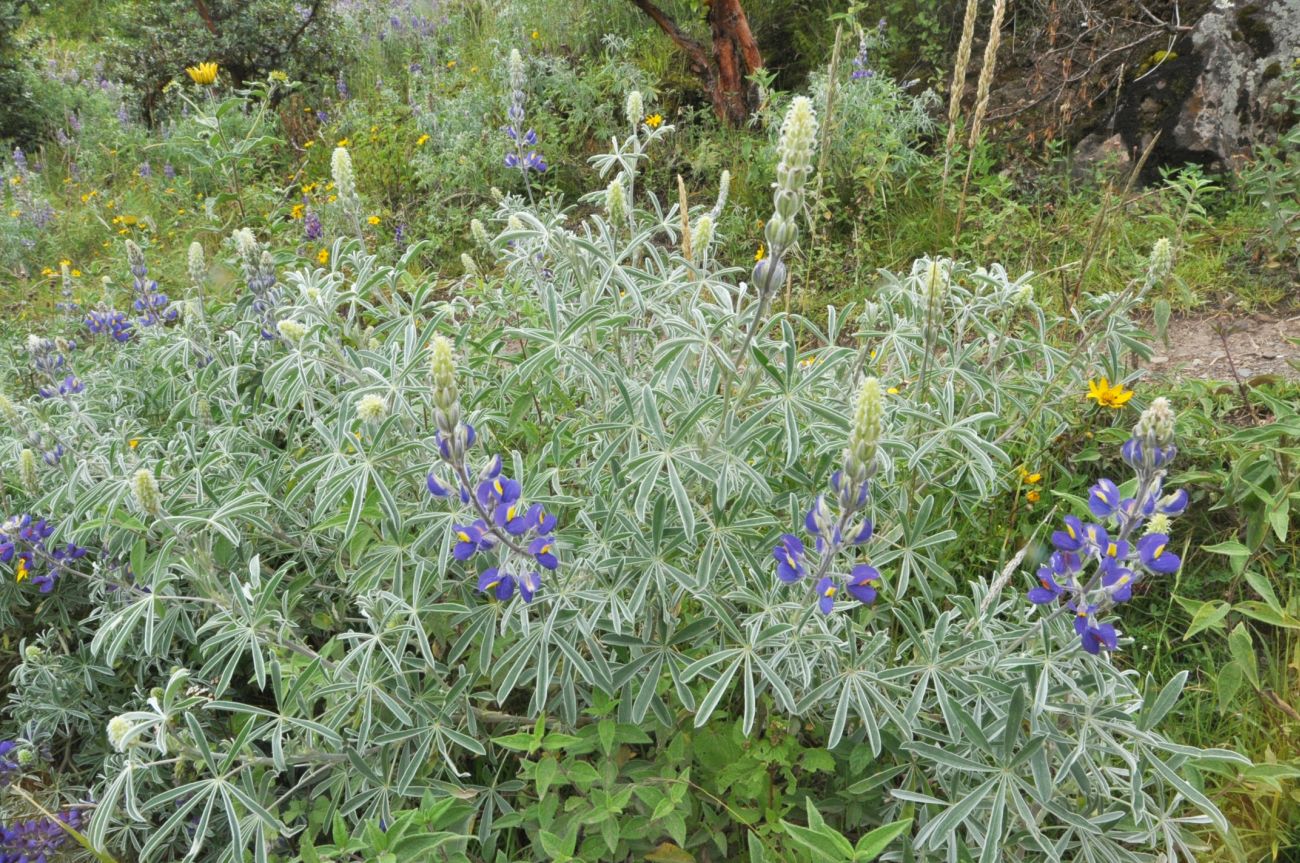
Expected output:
(761, 253)
(47, 272)
(1033, 496)
(297, 212)
(133, 442)
(654, 121)
(65, 263)
(536, 35)
(323, 256)
(309, 144)
(422, 140)
(343, 142)
(893, 391)
(76, 274)
(204, 74)
(451, 64)
(1108, 396)
(374, 220)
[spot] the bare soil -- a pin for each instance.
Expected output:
(1256, 344)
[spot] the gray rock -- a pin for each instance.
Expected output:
(1098, 152)
(1242, 49)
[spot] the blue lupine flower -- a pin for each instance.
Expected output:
(1103, 499)
(499, 584)
(863, 533)
(862, 583)
(1119, 584)
(1061, 564)
(1173, 504)
(111, 322)
(1095, 538)
(9, 766)
(1114, 554)
(540, 549)
(1071, 538)
(497, 491)
(70, 385)
(1154, 555)
(436, 488)
(1135, 453)
(512, 517)
(539, 520)
(826, 591)
(37, 840)
(1094, 637)
(529, 583)
(789, 559)
(469, 539)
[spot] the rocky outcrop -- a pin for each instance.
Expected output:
(1208, 95)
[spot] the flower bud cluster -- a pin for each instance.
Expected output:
(345, 184)
(616, 204)
(197, 266)
(144, 489)
(794, 167)
(1161, 262)
(841, 523)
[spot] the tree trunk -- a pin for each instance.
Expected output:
(735, 58)
(726, 69)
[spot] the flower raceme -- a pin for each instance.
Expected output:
(1096, 564)
(843, 524)
(23, 543)
(522, 535)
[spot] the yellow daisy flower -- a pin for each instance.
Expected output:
(204, 74)
(1107, 395)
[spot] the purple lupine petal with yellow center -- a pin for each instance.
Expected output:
(862, 583)
(499, 584)
(1103, 499)
(540, 549)
(1071, 537)
(511, 516)
(469, 538)
(1114, 554)
(1119, 584)
(826, 591)
(1154, 554)
(538, 519)
(789, 558)
(1095, 538)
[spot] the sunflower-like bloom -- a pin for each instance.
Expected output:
(1109, 395)
(204, 74)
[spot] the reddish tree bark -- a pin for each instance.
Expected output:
(726, 68)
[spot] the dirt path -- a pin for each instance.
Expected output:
(1258, 344)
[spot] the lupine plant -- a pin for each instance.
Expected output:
(305, 605)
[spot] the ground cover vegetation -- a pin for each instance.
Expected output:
(447, 431)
